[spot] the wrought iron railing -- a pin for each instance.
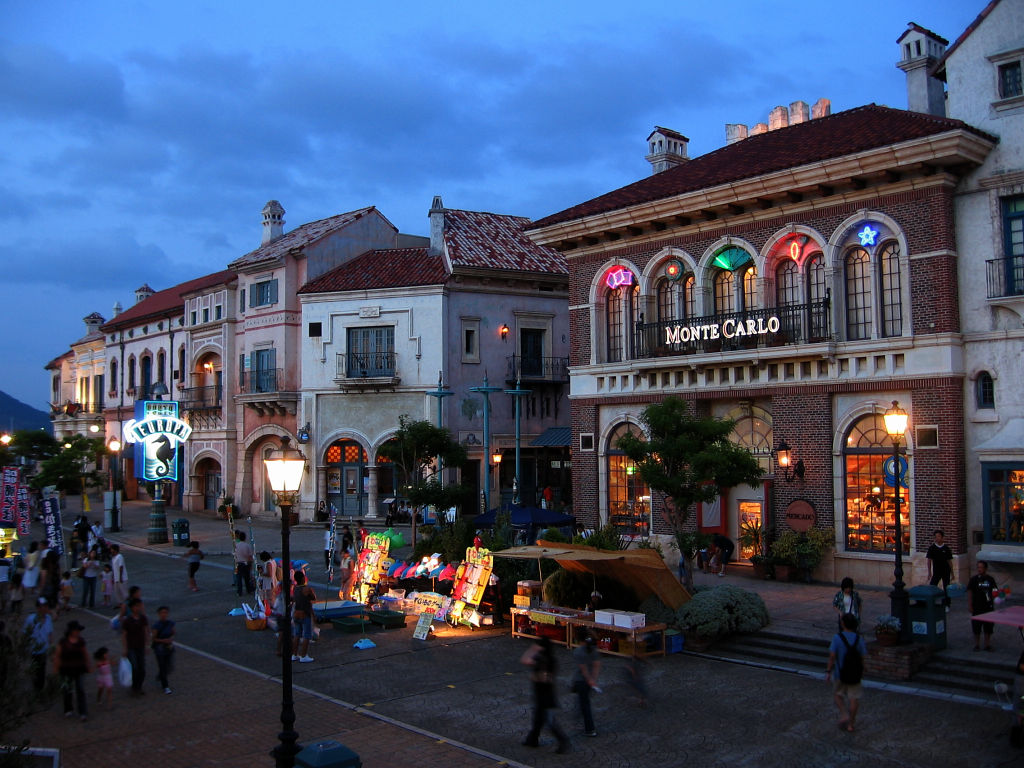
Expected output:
(366, 365)
(537, 368)
(1005, 277)
(195, 398)
(771, 327)
(261, 380)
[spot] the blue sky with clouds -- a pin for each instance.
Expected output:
(140, 139)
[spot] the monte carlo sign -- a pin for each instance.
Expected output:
(157, 432)
(727, 329)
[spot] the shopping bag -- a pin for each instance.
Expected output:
(124, 672)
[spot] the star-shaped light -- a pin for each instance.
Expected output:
(867, 235)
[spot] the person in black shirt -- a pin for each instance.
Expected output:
(725, 549)
(541, 660)
(940, 558)
(980, 599)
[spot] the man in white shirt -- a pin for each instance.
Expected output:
(120, 574)
(243, 563)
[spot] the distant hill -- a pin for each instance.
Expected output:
(15, 415)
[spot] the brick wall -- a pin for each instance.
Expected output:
(938, 478)
(804, 420)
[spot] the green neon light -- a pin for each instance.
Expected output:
(731, 258)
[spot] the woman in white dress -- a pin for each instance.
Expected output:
(30, 579)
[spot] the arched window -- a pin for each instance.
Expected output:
(985, 390)
(629, 498)
(161, 365)
(870, 500)
(131, 373)
(724, 293)
(146, 375)
(749, 288)
(858, 294)
(818, 319)
(668, 300)
(734, 263)
(114, 383)
(689, 296)
(621, 315)
(892, 305)
(787, 298)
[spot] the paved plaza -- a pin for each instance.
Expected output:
(462, 698)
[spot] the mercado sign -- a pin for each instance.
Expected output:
(727, 329)
(156, 432)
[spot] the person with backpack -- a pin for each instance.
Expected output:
(847, 653)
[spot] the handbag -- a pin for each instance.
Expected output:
(124, 672)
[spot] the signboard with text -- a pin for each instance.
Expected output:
(156, 432)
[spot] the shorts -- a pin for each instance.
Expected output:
(302, 629)
(192, 568)
(846, 689)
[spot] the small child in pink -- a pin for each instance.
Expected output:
(108, 583)
(67, 592)
(104, 676)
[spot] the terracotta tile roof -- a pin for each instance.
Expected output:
(911, 27)
(298, 237)
(383, 268)
(55, 363)
(940, 66)
(91, 336)
(167, 301)
(495, 241)
(843, 133)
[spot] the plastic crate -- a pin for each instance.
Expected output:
(674, 641)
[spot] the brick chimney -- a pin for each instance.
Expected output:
(273, 222)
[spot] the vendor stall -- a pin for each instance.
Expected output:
(371, 566)
(472, 579)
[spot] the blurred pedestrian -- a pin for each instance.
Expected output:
(135, 637)
(90, 574)
(39, 627)
(194, 556)
(940, 561)
(17, 594)
(71, 662)
(30, 581)
(981, 599)
(120, 574)
(846, 690)
(588, 667)
(302, 615)
(107, 577)
(543, 674)
(243, 563)
(725, 549)
(104, 676)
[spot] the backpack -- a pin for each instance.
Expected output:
(852, 668)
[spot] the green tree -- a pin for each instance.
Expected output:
(31, 445)
(69, 465)
(688, 459)
(414, 449)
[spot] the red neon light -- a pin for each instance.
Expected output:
(794, 250)
(619, 276)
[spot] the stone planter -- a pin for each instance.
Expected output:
(887, 638)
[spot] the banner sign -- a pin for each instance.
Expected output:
(9, 496)
(432, 603)
(52, 524)
(156, 432)
(24, 511)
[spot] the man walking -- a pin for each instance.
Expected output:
(243, 563)
(940, 558)
(847, 652)
(5, 578)
(134, 639)
(39, 628)
(981, 599)
(120, 574)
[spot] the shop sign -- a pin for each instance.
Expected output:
(727, 329)
(542, 618)
(431, 602)
(800, 516)
(156, 432)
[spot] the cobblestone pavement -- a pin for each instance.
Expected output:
(403, 697)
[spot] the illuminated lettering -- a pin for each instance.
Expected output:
(751, 327)
(773, 324)
(714, 331)
(727, 328)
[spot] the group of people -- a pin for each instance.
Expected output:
(341, 546)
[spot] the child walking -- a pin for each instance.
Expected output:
(108, 584)
(194, 555)
(104, 677)
(67, 591)
(17, 594)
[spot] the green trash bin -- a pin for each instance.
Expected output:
(180, 532)
(327, 754)
(927, 613)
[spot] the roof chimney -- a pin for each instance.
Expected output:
(273, 221)
(117, 308)
(93, 322)
(735, 132)
(143, 293)
(666, 149)
(822, 108)
(799, 112)
(436, 217)
(920, 50)
(778, 118)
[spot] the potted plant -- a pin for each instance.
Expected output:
(800, 553)
(887, 630)
(752, 539)
(227, 508)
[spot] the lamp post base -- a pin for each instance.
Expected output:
(899, 606)
(157, 533)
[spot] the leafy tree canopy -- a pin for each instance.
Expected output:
(688, 458)
(413, 449)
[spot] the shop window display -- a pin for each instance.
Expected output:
(629, 498)
(870, 497)
(1005, 499)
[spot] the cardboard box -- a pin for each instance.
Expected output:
(629, 619)
(605, 616)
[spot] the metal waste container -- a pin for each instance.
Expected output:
(179, 532)
(927, 614)
(327, 754)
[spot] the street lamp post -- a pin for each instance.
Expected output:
(157, 533)
(896, 426)
(518, 393)
(440, 393)
(115, 513)
(284, 471)
(486, 392)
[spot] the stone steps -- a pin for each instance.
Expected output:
(949, 674)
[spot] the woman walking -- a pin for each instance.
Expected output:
(70, 662)
(541, 661)
(195, 556)
(588, 666)
(30, 579)
(90, 575)
(847, 600)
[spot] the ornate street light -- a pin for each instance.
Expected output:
(896, 422)
(284, 471)
(115, 514)
(486, 391)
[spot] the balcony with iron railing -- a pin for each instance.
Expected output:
(265, 390)
(1005, 277)
(201, 398)
(537, 369)
(364, 365)
(757, 328)
(261, 381)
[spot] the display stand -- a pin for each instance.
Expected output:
(369, 567)
(471, 580)
(567, 628)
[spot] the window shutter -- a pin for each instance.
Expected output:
(273, 291)
(241, 369)
(253, 295)
(241, 301)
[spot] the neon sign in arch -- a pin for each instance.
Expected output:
(618, 276)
